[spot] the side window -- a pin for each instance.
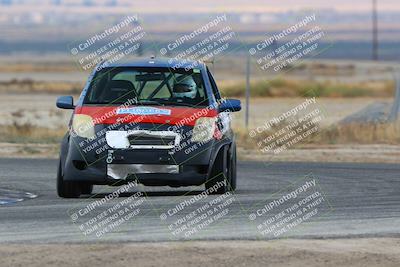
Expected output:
(214, 86)
(98, 85)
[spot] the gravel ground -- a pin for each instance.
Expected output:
(310, 253)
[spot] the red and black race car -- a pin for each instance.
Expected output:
(158, 122)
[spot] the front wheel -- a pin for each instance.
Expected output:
(67, 189)
(87, 189)
(218, 183)
(232, 168)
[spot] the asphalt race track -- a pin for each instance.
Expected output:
(357, 200)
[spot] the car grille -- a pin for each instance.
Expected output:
(142, 139)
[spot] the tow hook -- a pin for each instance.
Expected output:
(110, 156)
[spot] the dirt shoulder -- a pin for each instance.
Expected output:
(374, 153)
(337, 252)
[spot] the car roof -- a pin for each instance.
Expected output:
(158, 62)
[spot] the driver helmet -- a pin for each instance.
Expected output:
(185, 86)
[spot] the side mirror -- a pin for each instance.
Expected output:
(231, 105)
(65, 102)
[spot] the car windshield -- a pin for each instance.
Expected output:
(147, 86)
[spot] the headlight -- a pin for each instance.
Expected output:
(204, 129)
(83, 126)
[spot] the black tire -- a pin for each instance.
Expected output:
(67, 189)
(219, 174)
(87, 189)
(232, 177)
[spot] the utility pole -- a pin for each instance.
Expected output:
(374, 30)
(247, 91)
(394, 113)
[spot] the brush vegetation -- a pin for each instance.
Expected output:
(296, 88)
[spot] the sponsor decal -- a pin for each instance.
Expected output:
(144, 111)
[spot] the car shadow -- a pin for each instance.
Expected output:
(148, 194)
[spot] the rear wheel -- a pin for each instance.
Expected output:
(218, 181)
(67, 189)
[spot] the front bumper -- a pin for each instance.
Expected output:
(123, 171)
(193, 165)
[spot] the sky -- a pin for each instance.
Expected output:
(186, 6)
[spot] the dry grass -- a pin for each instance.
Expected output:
(370, 133)
(30, 86)
(379, 133)
(27, 133)
(296, 88)
(39, 67)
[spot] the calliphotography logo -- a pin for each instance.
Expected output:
(206, 43)
(289, 128)
(110, 45)
(83, 126)
(195, 215)
(288, 209)
(281, 51)
(108, 213)
(197, 32)
(188, 144)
